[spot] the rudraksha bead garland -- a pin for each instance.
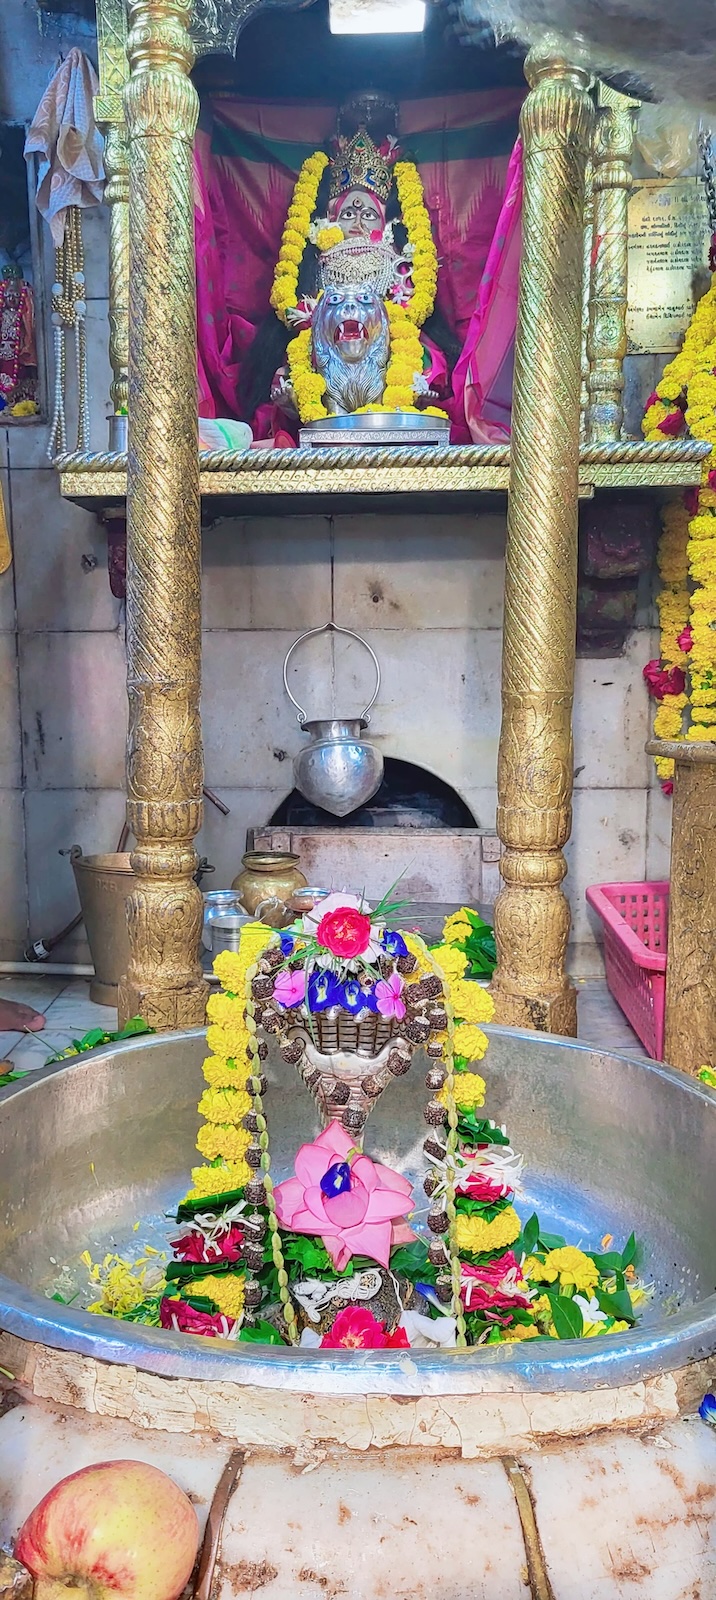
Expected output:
(256, 1086)
(441, 1077)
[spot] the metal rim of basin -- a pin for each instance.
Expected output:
(565, 1365)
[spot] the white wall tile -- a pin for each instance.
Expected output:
(3, 448)
(267, 572)
(612, 720)
(13, 885)
(95, 237)
(54, 544)
(249, 723)
(74, 709)
(27, 445)
(99, 372)
(658, 835)
(223, 839)
(419, 572)
(56, 820)
(10, 748)
(608, 845)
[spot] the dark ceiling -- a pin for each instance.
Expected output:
(293, 54)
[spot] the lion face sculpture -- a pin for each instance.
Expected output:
(351, 342)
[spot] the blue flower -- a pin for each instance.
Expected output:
(337, 1180)
(707, 1409)
(287, 944)
(354, 998)
(393, 943)
(324, 990)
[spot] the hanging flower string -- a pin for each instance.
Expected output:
(685, 400)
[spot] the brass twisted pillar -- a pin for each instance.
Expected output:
(535, 767)
(116, 194)
(164, 755)
(607, 339)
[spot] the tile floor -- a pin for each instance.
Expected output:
(70, 1013)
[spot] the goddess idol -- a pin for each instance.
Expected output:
(355, 281)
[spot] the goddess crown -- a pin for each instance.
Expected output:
(358, 164)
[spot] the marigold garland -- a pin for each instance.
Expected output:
(685, 397)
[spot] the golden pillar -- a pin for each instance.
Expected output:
(116, 194)
(607, 339)
(164, 982)
(535, 767)
(690, 1039)
(109, 110)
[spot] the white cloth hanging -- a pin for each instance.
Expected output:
(65, 136)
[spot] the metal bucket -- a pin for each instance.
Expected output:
(104, 884)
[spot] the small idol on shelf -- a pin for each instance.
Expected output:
(18, 349)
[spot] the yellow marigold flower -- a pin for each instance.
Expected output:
(226, 1289)
(470, 1002)
(208, 1181)
(416, 949)
(326, 238)
(124, 1284)
(220, 1140)
(229, 1043)
(572, 1267)
(469, 1041)
(224, 1105)
(531, 1268)
(226, 1010)
(221, 1074)
(520, 1330)
(456, 927)
(476, 1235)
(469, 1091)
(452, 962)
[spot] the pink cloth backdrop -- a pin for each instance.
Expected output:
(247, 157)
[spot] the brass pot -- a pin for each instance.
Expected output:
(266, 885)
(104, 884)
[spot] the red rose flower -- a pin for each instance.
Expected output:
(344, 932)
(661, 681)
(685, 640)
(691, 501)
(356, 1328)
(672, 424)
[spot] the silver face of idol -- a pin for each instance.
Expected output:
(350, 345)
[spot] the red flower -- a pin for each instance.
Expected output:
(685, 640)
(356, 1328)
(653, 400)
(711, 480)
(477, 1187)
(691, 501)
(344, 932)
(180, 1317)
(661, 681)
(493, 1287)
(672, 424)
(194, 1247)
(667, 785)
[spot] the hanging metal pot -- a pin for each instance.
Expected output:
(340, 770)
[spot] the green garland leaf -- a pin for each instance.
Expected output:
(566, 1316)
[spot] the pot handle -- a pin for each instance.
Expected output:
(332, 627)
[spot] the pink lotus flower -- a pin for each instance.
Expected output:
(387, 996)
(181, 1318)
(685, 640)
(367, 1216)
(290, 987)
(356, 1328)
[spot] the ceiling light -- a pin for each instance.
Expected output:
(377, 16)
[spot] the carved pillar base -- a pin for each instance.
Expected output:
(690, 1040)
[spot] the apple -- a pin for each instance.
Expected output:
(120, 1530)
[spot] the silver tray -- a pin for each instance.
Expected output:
(376, 427)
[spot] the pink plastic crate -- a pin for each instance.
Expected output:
(636, 931)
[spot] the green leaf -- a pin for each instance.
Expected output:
(629, 1253)
(212, 1204)
(473, 1130)
(466, 1207)
(611, 1262)
(566, 1316)
(616, 1305)
(136, 1025)
(551, 1241)
(90, 1040)
(261, 1333)
(11, 1077)
(410, 1260)
(530, 1234)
